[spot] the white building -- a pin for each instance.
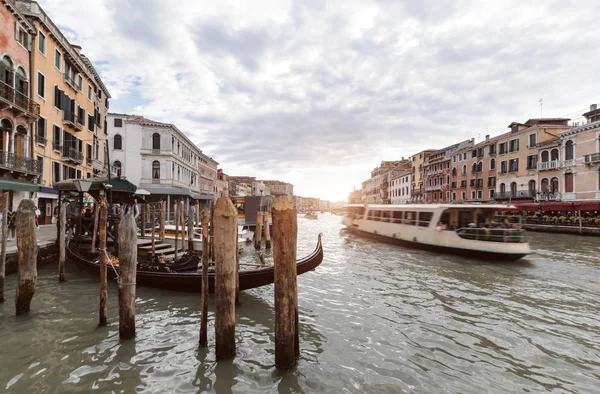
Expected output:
(156, 157)
(400, 188)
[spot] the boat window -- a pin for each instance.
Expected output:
(397, 217)
(410, 218)
(385, 216)
(425, 218)
(239, 205)
(373, 215)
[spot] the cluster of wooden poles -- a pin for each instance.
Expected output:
(224, 243)
(262, 229)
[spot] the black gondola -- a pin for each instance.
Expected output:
(192, 281)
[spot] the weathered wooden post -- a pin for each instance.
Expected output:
(3, 245)
(62, 243)
(267, 231)
(211, 234)
(258, 231)
(285, 231)
(153, 213)
(27, 251)
(143, 221)
(204, 316)
(161, 219)
(102, 223)
(94, 235)
(127, 274)
(237, 268)
(190, 226)
(225, 224)
(580, 222)
(176, 220)
(182, 222)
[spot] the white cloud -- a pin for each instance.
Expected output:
(321, 92)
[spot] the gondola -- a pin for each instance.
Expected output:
(192, 281)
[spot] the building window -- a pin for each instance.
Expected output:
(41, 80)
(545, 184)
(545, 156)
(492, 164)
(503, 167)
(513, 188)
(55, 171)
(155, 169)
(464, 195)
(532, 185)
(117, 168)
(40, 137)
(80, 83)
(492, 194)
(57, 59)
(531, 162)
(569, 182)
(513, 165)
(464, 170)
(569, 150)
(532, 140)
(89, 93)
(91, 122)
(42, 43)
(503, 147)
(156, 141)
(513, 145)
(554, 154)
(502, 188)
(118, 142)
(492, 149)
(118, 122)
(554, 185)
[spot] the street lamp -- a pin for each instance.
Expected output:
(82, 186)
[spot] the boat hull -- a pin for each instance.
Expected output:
(192, 282)
(477, 254)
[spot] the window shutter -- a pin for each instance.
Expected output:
(17, 29)
(28, 41)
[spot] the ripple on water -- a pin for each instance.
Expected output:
(374, 318)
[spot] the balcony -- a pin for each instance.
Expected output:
(434, 187)
(19, 103)
(97, 165)
(591, 159)
(72, 154)
(568, 163)
(13, 162)
(40, 140)
(70, 81)
(71, 119)
(549, 196)
(549, 165)
(518, 194)
(167, 182)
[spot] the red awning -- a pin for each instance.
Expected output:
(557, 206)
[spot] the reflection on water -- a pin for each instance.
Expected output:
(374, 318)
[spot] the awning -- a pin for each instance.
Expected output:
(18, 185)
(557, 206)
(173, 191)
(142, 192)
(98, 183)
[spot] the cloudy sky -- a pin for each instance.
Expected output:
(318, 93)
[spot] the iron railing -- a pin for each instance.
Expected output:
(57, 146)
(19, 100)
(40, 139)
(70, 117)
(515, 194)
(492, 234)
(15, 162)
(72, 154)
(549, 165)
(593, 158)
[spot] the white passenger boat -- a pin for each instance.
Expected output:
(462, 229)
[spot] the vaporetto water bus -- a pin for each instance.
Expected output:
(462, 229)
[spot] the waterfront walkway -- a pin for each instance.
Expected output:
(46, 235)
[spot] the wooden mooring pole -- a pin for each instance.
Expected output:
(204, 316)
(127, 274)
(176, 219)
(27, 252)
(62, 242)
(267, 231)
(143, 221)
(182, 222)
(153, 215)
(95, 234)
(258, 231)
(161, 220)
(285, 234)
(3, 252)
(190, 227)
(225, 225)
(102, 223)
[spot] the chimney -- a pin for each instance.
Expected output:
(487, 137)
(77, 49)
(593, 107)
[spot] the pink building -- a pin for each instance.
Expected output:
(436, 170)
(207, 171)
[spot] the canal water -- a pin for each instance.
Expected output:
(375, 318)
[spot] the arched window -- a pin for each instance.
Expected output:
(554, 154)
(569, 182)
(554, 185)
(545, 156)
(502, 188)
(480, 166)
(464, 171)
(156, 141)
(532, 185)
(545, 185)
(21, 83)
(493, 164)
(454, 171)
(118, 142)
(7, 73)
(569, 150)
(513, 188)
(155, 169)
(474, 167)
(117, 168)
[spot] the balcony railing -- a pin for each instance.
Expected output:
(434, 187)
(568, 163)
(71, 118)
(70, 80)
(40, 139)
(549, 196)
(549, 165)
(72, 154)
(515, 194)
(15, 162)
(593, 158)
(56, 146)
(18, 101)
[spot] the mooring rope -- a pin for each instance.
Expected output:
(114, 269)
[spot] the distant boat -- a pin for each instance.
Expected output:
(311, 215)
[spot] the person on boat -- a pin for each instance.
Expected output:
(441, 226)
(506, 223)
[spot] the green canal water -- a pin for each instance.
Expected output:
(375, 318)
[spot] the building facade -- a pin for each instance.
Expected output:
(222, 184)
(375, 189)
(71, 130)
(156, 157)
(355, 197)
(207, 171)
(18, 112)
(400, 188)
(417, 186)
(279, 188)
(437, 172)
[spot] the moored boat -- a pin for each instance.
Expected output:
(462, 229)
(311, 215)
(191, 281)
